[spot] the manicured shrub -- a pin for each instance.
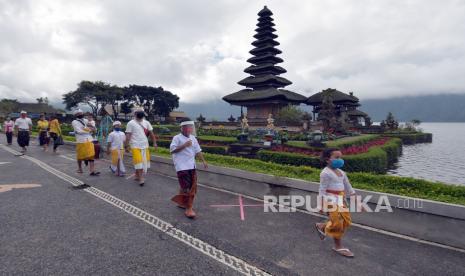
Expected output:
(288, 158)
(376, 160)
(215, 149)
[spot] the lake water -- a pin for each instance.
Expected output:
(443, 160)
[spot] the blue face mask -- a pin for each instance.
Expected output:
(117, 129)
(337, 163)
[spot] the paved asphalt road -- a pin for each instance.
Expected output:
(55, 229)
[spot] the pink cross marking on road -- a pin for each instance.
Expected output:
(241, 206)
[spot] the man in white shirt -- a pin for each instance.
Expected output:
(84, 144)
(23, 126)
(137, 131)
(184, 148)
(115, 148)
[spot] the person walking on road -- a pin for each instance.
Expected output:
(8, 127)
(55, 132)
(334, 186)
(23, 126)
(115, 148)
(42, 127)
(84, 146)
(137, 131)
(184, 148)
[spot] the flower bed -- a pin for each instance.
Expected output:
(350, 150)
(377, 158)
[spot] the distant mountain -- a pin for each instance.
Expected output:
(433, 108)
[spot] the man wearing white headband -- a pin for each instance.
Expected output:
(115, 148)
(184, 148)
(23, 126)
(137, 131)
(85, 150)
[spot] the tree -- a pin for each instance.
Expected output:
(164, 102)
(289, 115)
(154, 100)
(415, 122)
(8, 105)
(96, 95)
(42, 100)
(390, 122)
(126, 108)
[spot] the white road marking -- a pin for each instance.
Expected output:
(9, 187)
(207, 249)
(66, 157)
(3, 163)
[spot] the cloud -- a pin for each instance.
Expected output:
(198, 49)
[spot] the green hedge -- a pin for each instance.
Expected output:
(215, 149)
(393, 149)
(377, 159)
(412, 138)
(288, 158)
(164, 143)
(352, 141)
(405, 186)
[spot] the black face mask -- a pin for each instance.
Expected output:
(80, 116)
(140, 115)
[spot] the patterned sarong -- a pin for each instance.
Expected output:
(188, 188)
(339, 220)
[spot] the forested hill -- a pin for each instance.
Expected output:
(434, 108)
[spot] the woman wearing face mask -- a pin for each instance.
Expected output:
(137, 131)
(334, 186)
(8, 127)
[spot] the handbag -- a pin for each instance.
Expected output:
(59, 141)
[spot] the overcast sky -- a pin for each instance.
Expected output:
(198, 49)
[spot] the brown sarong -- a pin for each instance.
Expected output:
(188, 188)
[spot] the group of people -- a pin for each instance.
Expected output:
(184, 148)
(22, 128)
(135, 140)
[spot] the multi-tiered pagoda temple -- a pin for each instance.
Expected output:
(263, 94)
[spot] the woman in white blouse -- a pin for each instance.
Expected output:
(334, 187)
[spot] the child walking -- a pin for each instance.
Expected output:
(115, 148)
(334, 187)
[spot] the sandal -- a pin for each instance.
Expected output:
(94, 173)
(344, 252)
(190, 214)
(79, 171)
(320, 232)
